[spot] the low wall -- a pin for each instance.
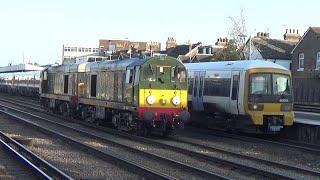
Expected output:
(304, 133)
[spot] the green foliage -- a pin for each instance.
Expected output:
(228, 53)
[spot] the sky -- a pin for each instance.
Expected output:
(37, 29)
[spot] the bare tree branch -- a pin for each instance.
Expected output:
(238, 32)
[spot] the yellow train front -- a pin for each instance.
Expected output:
(269, 99)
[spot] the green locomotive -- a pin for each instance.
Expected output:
(138, 95)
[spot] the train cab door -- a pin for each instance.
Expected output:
(234, 94)
(197, 93)
(129, 84)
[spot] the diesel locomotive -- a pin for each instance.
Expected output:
(248, 95)
(136, 95)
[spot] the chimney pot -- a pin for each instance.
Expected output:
(293, 31)
(286, 31)
(297, 31)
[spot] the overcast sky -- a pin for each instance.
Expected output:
(38, 28)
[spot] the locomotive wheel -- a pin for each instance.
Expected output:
(144, 130)
(61, 109)
(66, 109)
(83, 114)
(115, 121)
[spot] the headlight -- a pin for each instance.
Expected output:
(256, 107)
(151, 99)
(176, 100)
(286, 107)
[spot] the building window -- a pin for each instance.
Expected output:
(318, 60)
(301, 61)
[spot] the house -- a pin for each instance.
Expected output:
(274, 50)
(110, 45)
(306, 68)
(189, 53)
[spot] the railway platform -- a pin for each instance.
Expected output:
(306, 127)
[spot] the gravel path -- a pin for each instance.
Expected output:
(74, 162)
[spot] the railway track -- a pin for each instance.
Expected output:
(31, 161)
(305, 147)
(73, 137)
(255, 172)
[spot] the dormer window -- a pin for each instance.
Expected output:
(301, 61)
(318, 60)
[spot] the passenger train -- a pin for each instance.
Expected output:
(250, 95)
(136, 95)
(24, 83)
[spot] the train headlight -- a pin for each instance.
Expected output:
(286, 107)
(176, 100)
(256, 107)
(151, 99)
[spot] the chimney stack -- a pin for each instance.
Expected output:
(262, 35)
(222, 41)
(171, 43)
(292, 35)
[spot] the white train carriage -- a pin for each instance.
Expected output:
(251, 95)
(22, 83)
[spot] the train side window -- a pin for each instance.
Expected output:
(93, 85)
(217, 87)
(129, 76)
(137, 75)
(66, 82)
(235, 84)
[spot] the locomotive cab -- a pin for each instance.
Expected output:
(163, 94)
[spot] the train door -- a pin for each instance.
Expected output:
(136, 85)
(197, 93)
(234, 95)
(129, 84)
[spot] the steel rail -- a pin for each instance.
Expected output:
(35, 163)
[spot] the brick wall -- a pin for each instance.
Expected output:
(310, 45)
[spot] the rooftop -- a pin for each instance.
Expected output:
(273, 48)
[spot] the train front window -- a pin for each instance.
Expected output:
(281, 84)
(260, 84)
(178, 74)
(149, 73)
(270, 84)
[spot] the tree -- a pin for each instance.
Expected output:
(229, 52)
(238, 33)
